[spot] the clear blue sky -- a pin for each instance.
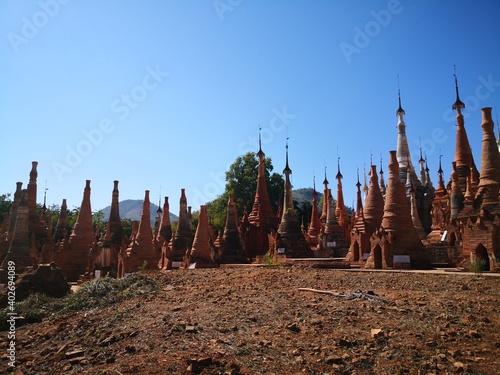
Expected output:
(169, 93)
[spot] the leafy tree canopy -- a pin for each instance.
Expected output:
(241, 180)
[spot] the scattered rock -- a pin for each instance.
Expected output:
(293, 327)
(376, 333)
(74, 353)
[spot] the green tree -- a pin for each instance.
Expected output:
(241, 180)
(5, 205)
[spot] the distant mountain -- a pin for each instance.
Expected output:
(132, 209)
(305, 194)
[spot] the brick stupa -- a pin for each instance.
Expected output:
(463, 153)
(290, 237)
(261, 221)
(440, 211)
(396, 244)
(183, 238)
(76, 251)
(230, 244)
(202, 254)
(332, 241)
(480, 218)
(164, 237)
(368, 220)
(341, 211)
(19, 249)
(314, 229)
(140, 253)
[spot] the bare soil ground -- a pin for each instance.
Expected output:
(257, 321)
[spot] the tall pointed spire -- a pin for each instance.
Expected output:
(201, 252)
(365, 186)
(421, 161)
(60, 232)
(80, 240)
(288, 201)
(359, 200)
(325, 200)
(458, 105)
(35, 225)
(232, 251)
(373, 210)
(115, 223)
(262, 211)
(141, 251)
(382, 181)
(315, 225)
(291, 237)
(403, 150)
(428, 181)
(183, 238)
(463, 153)
(165, 227)
(400, 110)
(341, 211)
(441, 186)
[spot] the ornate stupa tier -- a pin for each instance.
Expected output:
(489, 180)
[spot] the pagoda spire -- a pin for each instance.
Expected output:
(382, 182)
(403, 150)
(325, 200)
(80, 240)
(458, 105)
(288, 201)
(463, 152)
(373, 210)
(359, 200)
(115, 223)
(440, 176)
(291, 237)
(340, 193)
(262, 211)
(141, 251)
(365, 186)
(421, 161)
(428, 181)
(315, 225)
(201, 252)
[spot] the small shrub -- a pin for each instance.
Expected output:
(478, 266)
(269, 261)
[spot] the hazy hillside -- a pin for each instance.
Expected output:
(305, 194)
(132, 209)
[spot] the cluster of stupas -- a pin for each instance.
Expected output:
(402, 223)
